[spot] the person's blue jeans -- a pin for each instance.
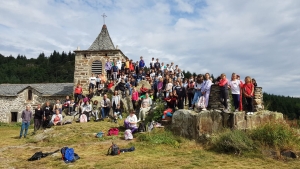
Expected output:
(104, 112)
(25, 125)
(197, 95)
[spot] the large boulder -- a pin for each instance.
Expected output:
(194, 125)
(145, 83)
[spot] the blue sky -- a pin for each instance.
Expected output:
(252, 38)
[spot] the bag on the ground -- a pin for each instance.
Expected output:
(100, 134)
(68, 155)
(113, 132)
(201, 102)
(83, 118)
(113, 150)
(36, 156)
(39, 155)
(150, 126)
(128, 134)
(142, 127)
(127, 149)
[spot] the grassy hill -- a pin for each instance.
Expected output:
(158, 149)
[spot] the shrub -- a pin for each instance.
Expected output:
(277, 135)
(157, 112)
(235, 141)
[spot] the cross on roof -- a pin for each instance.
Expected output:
(104, 17)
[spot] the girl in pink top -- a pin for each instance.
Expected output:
(134, 97)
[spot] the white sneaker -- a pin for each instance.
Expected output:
(236, 110)
(249, 113)
(204, 109)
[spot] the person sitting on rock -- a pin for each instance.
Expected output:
(145, 107)
(56, 118)
(143, 90)
(105, 107)
(131, 122)
(171, 101)
(95, 110)
(87, 109)
(121, 86)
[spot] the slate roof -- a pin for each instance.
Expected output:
(103, 41)
(45, 89)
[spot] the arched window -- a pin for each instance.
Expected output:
(97, 67)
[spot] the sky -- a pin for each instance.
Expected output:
(260, 39)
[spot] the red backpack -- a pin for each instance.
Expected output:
(113, 132)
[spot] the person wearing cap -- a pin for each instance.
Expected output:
(131, 122)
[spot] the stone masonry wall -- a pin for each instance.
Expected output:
(18, 104)
(215, 103)
(83, 65)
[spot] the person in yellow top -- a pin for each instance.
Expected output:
(127, 66)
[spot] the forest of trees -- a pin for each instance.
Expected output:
(59, 68)
(56, 68)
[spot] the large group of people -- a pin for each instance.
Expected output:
(166, 82)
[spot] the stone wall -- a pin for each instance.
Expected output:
(10, 104)
(83, 64)
(215, 103)
(194, 125)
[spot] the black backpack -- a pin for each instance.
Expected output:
(142, 127)
(39, 155)
(113, 150)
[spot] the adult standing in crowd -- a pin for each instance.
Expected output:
(26, 117)
(38, 116)
(108, 66)
(197, 87)
(47, 115)
(223, 83)
(141, 63)
(92, 82)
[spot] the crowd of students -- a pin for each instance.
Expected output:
(166, 82)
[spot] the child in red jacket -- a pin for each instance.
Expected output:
(248, 90)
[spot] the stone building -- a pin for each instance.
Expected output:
(93, 60)
(15, 97)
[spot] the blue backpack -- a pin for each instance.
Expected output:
(68, 155)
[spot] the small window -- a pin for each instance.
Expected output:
(29, 95)
(97, 67)
(14, 116)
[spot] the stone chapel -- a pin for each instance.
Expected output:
(94, 58)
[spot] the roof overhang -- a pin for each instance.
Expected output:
(97, 51)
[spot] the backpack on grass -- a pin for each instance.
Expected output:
(142, 127)
(39, 155)
(68, 155)
(113, 150)
(113, 132)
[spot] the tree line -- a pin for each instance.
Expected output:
(59, 68)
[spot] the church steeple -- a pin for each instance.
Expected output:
(103, 41)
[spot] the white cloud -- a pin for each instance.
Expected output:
(256, 38)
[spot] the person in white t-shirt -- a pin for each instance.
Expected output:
(131, 122)
(234, 85)
(119, 64)
(152, 63)
(92, 81)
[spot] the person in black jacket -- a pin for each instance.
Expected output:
(181, 92)
(47, 113)
(38, 116)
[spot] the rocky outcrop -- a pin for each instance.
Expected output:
(258, 99)
(214, 98)
(194, 125)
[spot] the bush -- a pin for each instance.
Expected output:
(276, 135)
(160, 137)
(235, 141)
(157, 112)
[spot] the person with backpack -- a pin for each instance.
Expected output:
(26, 118)
(141, 63)
(131, 122)
(108, 66)
(105, 107)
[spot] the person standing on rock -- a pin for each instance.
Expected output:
(223, 83)
(197, 88)
(248, 91)
(38, 116)
(108, 66)
(234, 85)
(205, 89)
(26, 118)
